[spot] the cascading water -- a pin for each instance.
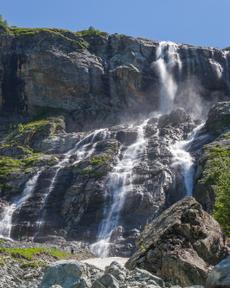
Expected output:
(183, 159)
(82, 150)
(6, 222)
(120, 179)
(118, 185)
(216, 66)
(167, 58)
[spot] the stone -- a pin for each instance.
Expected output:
(181, 245)
(219, 277)
(106, 281)
(67, 274)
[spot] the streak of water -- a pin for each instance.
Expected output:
(118, 185)
(82, 150)
(167, 58)
(183, 159)
(7, 215)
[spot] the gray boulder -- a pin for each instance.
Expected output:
(69, 274)
(219, 277)
(180, 245)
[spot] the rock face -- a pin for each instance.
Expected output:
(212, 176)
(180, 245)
(100, 76)
(219, 277)
(70, 197)
(219, 118)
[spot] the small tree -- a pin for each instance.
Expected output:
(3, 22)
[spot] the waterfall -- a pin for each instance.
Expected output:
(183, 159)
(82, 150)
(167, 58)
(6, 222)
(119, 184)
(216, 66)
(120, 179)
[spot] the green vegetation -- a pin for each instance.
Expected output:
(52, 33)
(32, 257)
(32, 160)
(3, 24)
(16, 153)
(76, 38)
(19, 31)
(8, 165)
(95, 167)
(30, 253)
(91, 31)
(99, 160)
(25, 132)
(32, 126)
(91, 172)
(216, 175)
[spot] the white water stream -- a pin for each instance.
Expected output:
(120, 179)
(183, 159)
(167, 59)
(118, 185)
(82, 150)
(7, 215)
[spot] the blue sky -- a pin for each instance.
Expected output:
(199, 22)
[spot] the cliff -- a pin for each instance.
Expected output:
(101, 133)
(95, 76)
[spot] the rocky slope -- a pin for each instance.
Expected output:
(73, 208)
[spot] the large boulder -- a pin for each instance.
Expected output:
(219, 277)
(180, 245)
(69, 274)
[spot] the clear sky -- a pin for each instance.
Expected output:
(199, 22)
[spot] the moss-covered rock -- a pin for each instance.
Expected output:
(18, 156)
(213, 184)
(32, 133)
(46, 33)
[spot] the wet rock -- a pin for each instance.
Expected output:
(180, 245)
